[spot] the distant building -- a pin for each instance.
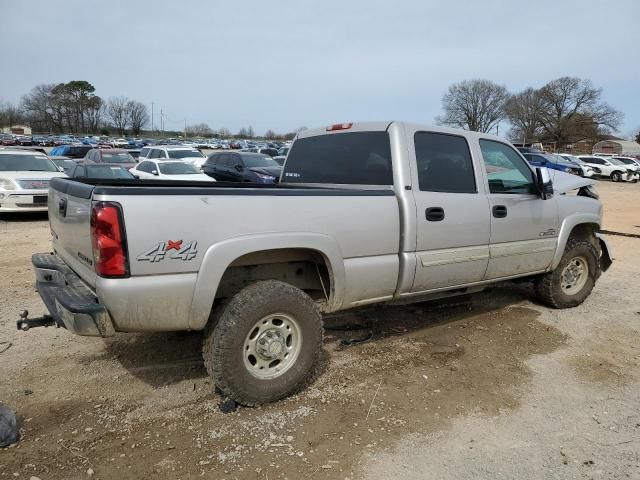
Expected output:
(17, 130)
(620, 147)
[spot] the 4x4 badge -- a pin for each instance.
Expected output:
(161, 250)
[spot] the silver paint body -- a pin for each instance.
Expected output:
(377, 248)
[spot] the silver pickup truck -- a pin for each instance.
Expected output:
(364, 213)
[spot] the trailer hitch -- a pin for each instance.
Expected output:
(26, 323)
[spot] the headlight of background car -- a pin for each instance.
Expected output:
(265, 177)
(6, 184)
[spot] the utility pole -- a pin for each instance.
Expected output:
(185, 128)
(152, 118)
(161, 124)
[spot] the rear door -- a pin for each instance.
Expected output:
(452, 246)
(524, 228)
(69, 218)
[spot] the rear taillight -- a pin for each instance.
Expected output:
(339, 126)
(108, 240)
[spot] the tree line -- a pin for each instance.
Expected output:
(74, 107)
(564, 111)
(203, 130)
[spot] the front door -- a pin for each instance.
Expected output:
(452, 245)
(524, 228)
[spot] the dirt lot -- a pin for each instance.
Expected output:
(489, 387)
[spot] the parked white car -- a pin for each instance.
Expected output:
(610, 168)
(173, 152)
(169, 170)
(587, 171)
(24, 180)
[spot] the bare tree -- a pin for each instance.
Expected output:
(224, 133)
(573, 110)
(199, 130)
(474, 105)
(117, 113)
(637, 137)
(138, 116)
(524, 110)
(270, 134)
(10, 115)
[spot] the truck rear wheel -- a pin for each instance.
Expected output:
(263, 343)
(573, 279)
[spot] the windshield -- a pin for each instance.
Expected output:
(26, 163)
(177, 168)
(66, 164)
(259, 161)
(107, 171)
(184, 154)
(122, 157)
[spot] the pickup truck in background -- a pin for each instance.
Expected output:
(364, 213)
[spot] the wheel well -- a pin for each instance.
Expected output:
(617, 171)
(584, 230)
(305, 269)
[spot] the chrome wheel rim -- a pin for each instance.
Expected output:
(272, 346)
(574, 276)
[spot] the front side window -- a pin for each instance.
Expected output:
(507, 172)
(353, 158)
(444, 163)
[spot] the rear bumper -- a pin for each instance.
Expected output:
(69, 301)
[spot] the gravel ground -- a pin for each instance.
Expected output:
(492, 386)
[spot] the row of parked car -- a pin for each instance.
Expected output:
(618, 168)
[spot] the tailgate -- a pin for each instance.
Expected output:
(69, 218)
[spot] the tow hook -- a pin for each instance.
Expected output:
(26, 323)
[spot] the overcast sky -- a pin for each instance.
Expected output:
(281, 65)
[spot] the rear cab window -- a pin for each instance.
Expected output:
(352, 158)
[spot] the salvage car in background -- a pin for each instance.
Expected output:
(609, 168)
(110, 155)
(169, 170)
(242, 167)
(552, 162)
(24, 180)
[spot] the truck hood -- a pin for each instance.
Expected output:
(565, 182)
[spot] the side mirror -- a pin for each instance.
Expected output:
(239, 167)
(544, 183)
(154, 172)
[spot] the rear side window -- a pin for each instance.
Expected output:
(144, 152)
(444, 163)
(355, 158)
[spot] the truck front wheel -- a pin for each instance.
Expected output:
(263, 343)
(573, 279)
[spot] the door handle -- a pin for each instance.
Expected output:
(434, 214)
(499, 211)
(62, 207)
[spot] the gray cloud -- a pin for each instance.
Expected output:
(284, 64)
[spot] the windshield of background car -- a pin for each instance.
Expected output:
(107, 171)
(184, 154)
(354, 158)
(117, 158)
(259, 161)
(26, 163)
(177, 168)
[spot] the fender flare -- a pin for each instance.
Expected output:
(219, 256)
(568, 224)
